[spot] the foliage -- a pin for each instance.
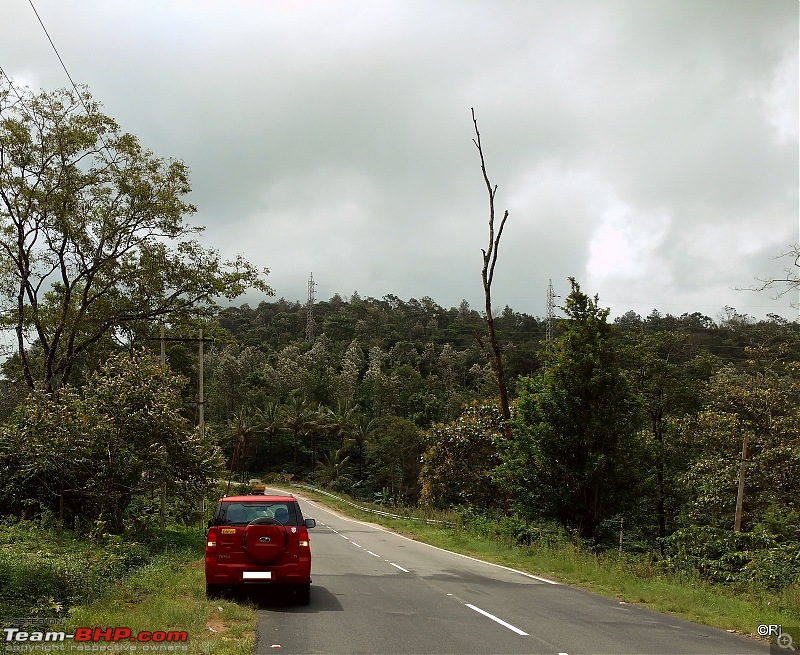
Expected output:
(94, 240)
(722, 556)
(334, 470)
(460, 458)
(393, 452)
(763, 408)
(44, 572)
(575, 442)
(80, 457)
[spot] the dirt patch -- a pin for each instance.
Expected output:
(215, 624)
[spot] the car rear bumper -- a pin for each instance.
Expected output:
(245, 574)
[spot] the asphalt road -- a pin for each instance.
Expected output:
(377, 592)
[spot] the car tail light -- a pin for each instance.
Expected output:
(211, 539)
(302, 532)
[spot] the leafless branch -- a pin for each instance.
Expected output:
(487, 274)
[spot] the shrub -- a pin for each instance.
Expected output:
(740, 558)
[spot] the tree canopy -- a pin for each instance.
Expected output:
(575, 429)
(94, 241)
(84, 459)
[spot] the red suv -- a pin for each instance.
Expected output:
(259, 539)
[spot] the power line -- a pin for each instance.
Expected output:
(74, 86)
(63, 65)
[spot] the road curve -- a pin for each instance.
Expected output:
(375, 592)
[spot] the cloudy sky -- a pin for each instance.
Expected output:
(648, 148)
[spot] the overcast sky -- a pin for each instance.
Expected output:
(648, 148)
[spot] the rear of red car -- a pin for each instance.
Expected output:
(258, 540)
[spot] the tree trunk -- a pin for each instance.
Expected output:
(487, 274)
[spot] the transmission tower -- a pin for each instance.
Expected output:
(550, 311)
(310, 324)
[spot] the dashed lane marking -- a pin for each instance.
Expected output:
(497, 620)
(444, 550)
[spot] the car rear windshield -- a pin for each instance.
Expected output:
(241, 513)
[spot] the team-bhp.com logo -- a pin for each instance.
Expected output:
(92, 635)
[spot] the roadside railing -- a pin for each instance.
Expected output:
(371, 510)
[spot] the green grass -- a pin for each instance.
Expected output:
(627, 578)
(147, 582)
(169, 594)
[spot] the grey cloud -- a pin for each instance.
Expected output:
(336, 137)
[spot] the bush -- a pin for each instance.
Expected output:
(43, 573)
(739, 558)
(514, 529)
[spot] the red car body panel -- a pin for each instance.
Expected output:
(257, 539)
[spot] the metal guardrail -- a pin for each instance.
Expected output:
(373, 511)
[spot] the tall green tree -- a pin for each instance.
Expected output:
(93, 234)
(667, 373)
(575, 442)
(80, 457)
(300, 417)
(393, 457)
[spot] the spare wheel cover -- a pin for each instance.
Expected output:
(264, 540)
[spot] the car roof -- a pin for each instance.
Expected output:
(259, 498)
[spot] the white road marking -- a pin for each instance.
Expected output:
(397, 566)
(444, 550)
(373, 554)
(344, 537)
(500, 621)
(355, 544)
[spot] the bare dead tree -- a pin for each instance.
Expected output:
(782, 285)
(487, 273)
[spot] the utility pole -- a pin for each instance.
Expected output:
(200, 405)
(737, 521)
(201, 340)
(163, 482)
(310, 324)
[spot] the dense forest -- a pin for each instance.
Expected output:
(394, 399)
(640, 420)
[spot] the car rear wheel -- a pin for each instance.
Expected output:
(213, 590)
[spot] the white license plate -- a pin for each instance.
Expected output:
(256, 575)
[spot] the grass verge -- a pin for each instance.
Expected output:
(169, 594)
(152, 584)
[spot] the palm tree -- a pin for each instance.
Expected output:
(242, 426)
(272, 420)
(300, 419)
(341, 419)
(362, 426)
(334, 467)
